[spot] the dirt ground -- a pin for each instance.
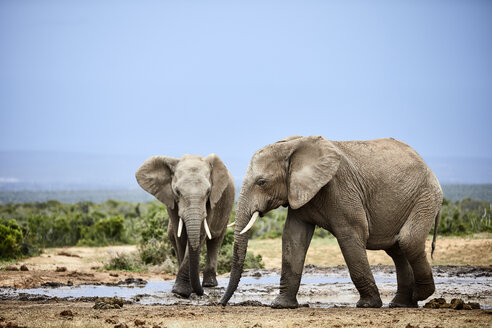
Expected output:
(83, 266)
(33, 314)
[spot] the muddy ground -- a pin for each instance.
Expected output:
(49, 296)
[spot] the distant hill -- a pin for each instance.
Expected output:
(74, 196)
(451, 192)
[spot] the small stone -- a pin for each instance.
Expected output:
(61, 269)
(121, 325)
(112, 321)
(66, 313)
(114, 274)
(138, 322)
(24, 268)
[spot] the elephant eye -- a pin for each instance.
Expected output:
(177, 192)
(261, 182)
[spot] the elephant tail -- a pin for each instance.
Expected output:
(436, 224)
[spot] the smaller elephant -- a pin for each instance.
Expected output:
(199, 194)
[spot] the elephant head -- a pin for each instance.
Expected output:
(290, 173)
(194, 185)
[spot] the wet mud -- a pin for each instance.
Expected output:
(328, 287)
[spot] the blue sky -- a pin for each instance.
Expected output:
(139, 78)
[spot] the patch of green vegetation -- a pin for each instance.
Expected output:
(28, 227)
(465, 217)
(124, 262)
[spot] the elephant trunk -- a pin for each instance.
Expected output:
(243, 216)
(192, 222)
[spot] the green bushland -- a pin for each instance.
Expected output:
(465, 217)
(26, 228)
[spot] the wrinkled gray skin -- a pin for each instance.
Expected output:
(376, 194)
(192, 188)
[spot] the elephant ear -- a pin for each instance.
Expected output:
(312, 164)
(220, 178)
(155, 176)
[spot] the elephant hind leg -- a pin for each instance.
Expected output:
(404, 277)
(412, 243)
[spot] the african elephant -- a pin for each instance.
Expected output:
(376, 194)
(199, 194)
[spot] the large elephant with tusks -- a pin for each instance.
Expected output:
(376, 194)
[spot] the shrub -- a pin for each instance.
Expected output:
(465, 217)
(10, 240)
(156, 252)
(125, 262)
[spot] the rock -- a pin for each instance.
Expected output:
(114, 274)
(138, 322)
(66, 313)
(105, 303)
(112, 321)
(24, 268)
(61, 269)
(121, 325)
(11, 268)
(52, 284)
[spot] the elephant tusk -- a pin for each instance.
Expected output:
(180, 227)
(231, 224)
(207, 230)
(250, 223)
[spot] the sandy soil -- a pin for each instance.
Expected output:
(31, 314)
(84, 266)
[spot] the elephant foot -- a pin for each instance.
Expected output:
(370, 302)
(282, 302)
(422, 291)
(182, 289)
(209, 279)
(402, 301)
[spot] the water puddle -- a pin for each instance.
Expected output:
(322, 289)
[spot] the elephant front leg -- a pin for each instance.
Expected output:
(182, 285)
(296, 238)
(209, 273)
(354, 253)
